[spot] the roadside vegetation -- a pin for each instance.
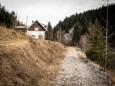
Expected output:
(89, 33)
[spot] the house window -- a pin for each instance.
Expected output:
(36, 29)
(40, 36)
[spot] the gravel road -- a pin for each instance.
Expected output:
(75, 71)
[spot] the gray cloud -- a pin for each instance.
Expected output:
(49, 10)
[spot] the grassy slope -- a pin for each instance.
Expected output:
(29, 62)
(10, 34)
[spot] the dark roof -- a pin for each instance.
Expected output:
(38, 24)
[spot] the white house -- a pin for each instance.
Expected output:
(36, 30)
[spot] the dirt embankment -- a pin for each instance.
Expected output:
(29, 62)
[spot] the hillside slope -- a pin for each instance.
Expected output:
(28, 62)
(7, 34)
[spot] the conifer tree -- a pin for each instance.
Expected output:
(96, 36)
(97, 42)
(76, 33)
(49, 33)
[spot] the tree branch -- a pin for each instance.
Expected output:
(88, 22)
(111, 27)
(111, 35)
(102, 18)
(103, 28)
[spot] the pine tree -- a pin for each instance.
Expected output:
(6, 18)
(49, 33)
(76, 33)
(96, 36)
(97, 41)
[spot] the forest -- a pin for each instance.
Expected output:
(89, 17)
(8, 19)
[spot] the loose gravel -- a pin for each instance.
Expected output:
(75, 71)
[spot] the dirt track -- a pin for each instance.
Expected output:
(75, 71)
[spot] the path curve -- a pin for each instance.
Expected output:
(75, 71)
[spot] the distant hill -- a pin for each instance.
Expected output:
(89, 17)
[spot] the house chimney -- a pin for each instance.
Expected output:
(32, 21)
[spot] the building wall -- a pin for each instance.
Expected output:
(36, 34)
(36, 31)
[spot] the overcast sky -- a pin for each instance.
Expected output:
(49, 10)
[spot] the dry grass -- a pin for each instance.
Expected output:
(10, 34)
(51, 53)
(27, 62)
(30, 62)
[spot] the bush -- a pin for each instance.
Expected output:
(92, 54)
(96, 55)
